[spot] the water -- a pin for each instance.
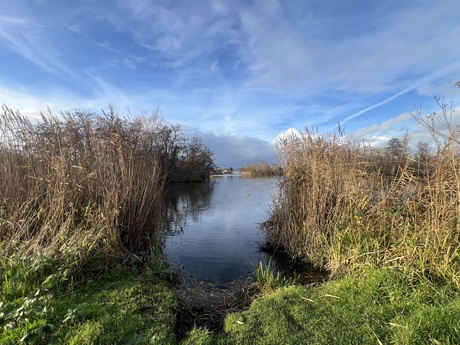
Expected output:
(214, 233)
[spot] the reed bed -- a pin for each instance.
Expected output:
(79, 182)
(261, 170)
(343, 205)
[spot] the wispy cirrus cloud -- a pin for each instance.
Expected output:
(29, 39)
(447, 70)
(390, 55)
(22, 35)
(246, 69)
(181, 33)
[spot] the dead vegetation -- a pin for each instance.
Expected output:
(342, 204)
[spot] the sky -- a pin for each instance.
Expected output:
(237, 74)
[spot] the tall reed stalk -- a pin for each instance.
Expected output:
(339, 208)
(81, 181)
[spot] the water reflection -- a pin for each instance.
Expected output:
(214, 234)
(186, 200)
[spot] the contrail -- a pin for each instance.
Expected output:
(419, 82)
(389, 99)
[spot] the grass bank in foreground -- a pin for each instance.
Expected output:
(42, 303)
(45, 304)
(378, 307)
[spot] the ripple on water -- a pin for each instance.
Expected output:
(220, 236)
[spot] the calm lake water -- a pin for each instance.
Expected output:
(214, 232)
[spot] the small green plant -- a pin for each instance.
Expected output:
(267, 280)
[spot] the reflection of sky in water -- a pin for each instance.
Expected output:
(220, 236)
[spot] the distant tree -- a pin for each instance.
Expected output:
(423, 152)
(395, 156)
(396, 149)
(194, 163)
(201, 156)
(170, 142)
(393, 149)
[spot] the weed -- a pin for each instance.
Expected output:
(266, 280)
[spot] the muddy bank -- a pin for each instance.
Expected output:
(205, 305)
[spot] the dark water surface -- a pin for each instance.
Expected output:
(214, 233)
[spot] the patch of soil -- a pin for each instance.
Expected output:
(205, 305)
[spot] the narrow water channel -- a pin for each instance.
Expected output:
(214, 233)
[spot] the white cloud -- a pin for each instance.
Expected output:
(390, 56)
(286, 135)
(182, 33)
(23, 102)
(108, 47)
(393, 127)
(22, 36)
(30, 39)
(377, 135)
(235, 151)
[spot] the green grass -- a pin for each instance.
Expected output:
(381, 306)
(45, 304)
(41, 305)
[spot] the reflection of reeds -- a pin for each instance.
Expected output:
(183, 200)
(78, 181)
(341, 204)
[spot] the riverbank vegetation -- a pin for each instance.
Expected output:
(81, 198)
(376, 307)
(45, 301)
(88, 181)
(261, 170)
(343, 205)
(383, 222)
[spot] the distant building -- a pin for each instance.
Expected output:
(221, 171)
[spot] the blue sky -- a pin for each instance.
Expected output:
(237, 74)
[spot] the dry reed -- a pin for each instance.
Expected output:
(342, 205)
(79, 181)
